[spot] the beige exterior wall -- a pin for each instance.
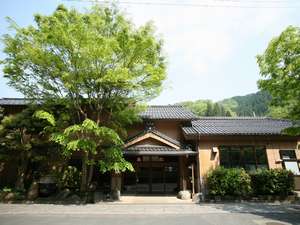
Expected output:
(209, 160)
(170, 127)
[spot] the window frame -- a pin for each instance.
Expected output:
(243, 162)
(289, 160)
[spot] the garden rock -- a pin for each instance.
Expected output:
(33, 191)
(184, 195)
(9, 197)
(74, 199)
(64, 194)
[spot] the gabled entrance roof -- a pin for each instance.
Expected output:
(156, 135)
(157, 150)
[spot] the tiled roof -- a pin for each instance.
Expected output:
(168, 112)
(205, 126)
(156, 150)
(156, 132)
(13, 101)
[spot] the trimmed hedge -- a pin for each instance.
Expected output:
(272, 182)
(237, 182)
(233, 182)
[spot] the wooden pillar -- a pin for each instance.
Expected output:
(193, 180)
(183, 172)
(197, 172)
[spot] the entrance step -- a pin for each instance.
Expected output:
(153, 200)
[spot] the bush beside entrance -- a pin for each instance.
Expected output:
(272, 182)
(238, 183)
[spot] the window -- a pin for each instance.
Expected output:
(248, 157)
(289, 161)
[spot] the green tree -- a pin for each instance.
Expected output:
(21, 142)
(280, 70)
(217, 111)
(198, 107)
(209, 109)
(97, 63)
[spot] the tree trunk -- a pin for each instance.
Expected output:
(22, 168)
(91, 173)
(83, 186)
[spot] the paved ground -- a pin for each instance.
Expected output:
(134, 214)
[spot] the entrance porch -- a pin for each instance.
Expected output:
(159, 174)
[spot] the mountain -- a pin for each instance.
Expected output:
(255, 104)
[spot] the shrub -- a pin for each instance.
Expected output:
(272, 182)
(70, 178)
(233, 181)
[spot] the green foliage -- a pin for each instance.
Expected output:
(95, 140)
(97, 54)
(7, 189)
(233, 182)
(88, 137)
(272, 182)
(256, 104)
(41, 114)
(22, 142)
(237, 182)
(279, 68)
(199, 107)
(249, 105)
(98, 65)
(113, 161)
(21, 131)
(70, 178)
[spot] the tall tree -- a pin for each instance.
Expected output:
(97, 62)
(280, 70)
(22, 142)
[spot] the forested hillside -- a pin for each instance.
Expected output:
(249, 105)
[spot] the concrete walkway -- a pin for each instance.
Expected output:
(153, 200)
(148, 209)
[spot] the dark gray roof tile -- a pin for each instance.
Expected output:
(168, 112)
(237, 126)
(13, 101)
(156, 150)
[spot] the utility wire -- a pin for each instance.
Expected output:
(199, 5)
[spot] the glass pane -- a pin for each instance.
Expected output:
(157, 180)
(129, 182)
(288, 154)
(235, 156)
(261, 155)
(249, 155)
(224, 157)
(292, 166)
(143, 180)
(262, 166)
(250, 167)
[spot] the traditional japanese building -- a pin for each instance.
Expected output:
(172, 149)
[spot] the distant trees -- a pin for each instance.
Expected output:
(207, 108)
(256, 104)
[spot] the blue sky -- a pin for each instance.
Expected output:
(210, 50)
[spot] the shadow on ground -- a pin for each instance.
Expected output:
(285, 213)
